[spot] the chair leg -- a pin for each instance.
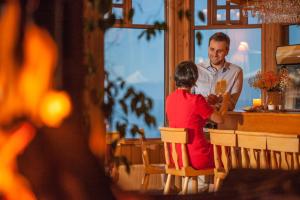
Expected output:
(195, 184)
(168, 184)
(216, 184)
(185, 185)
(145, 182)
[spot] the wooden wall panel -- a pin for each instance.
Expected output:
(131, 149)
(272, 36)
(178, 38)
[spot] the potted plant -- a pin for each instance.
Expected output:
(272, 84)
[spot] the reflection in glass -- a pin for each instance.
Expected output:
(245, 51)
(292, 93)
(148, 11)
(141, 64)
(200, 6)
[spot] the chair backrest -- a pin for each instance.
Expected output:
(175, 136)
(284, 150)
(253, 149)
(224, 143)
(145, 153)
(149, 149)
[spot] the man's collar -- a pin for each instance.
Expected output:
(224, 68)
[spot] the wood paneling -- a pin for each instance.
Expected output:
(272, 36)
(178, 38)
(131, 149)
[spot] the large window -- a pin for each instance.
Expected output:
(245, 45)
(138, 61)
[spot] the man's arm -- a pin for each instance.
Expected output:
(236, 90)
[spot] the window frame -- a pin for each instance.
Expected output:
(127, 23)
(212, 6)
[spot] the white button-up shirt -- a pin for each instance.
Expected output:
(209, 76)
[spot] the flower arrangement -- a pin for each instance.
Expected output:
(270, 81)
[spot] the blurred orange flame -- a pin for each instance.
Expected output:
(54, 107)
(25, 91)
(12, 184)
(23, 88)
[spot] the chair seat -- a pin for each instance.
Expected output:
(189, 171)
(220, 173)
(155, 169)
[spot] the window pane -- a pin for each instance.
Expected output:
(234, 14)
(294, 32)
(221, 2)
(221, 15)
(118, 12)
(148, 11)
(141, 64)
(117, 1)
(245, 51)
(251, 19)
(200, 5)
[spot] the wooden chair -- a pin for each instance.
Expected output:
(253, 149)
(225, 155)
(149, 168)
(174, 136)
(284, 151)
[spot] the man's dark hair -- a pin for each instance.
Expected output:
(186, 74)
(220, 37)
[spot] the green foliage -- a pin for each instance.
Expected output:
(108, 19)
(118, 94)
(201, 16)
(130, 14)
(151, 32)
(188, 14)
(198, 38)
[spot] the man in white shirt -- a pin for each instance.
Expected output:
(219, 72)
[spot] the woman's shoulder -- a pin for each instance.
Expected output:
(199, 98)
(194, 97)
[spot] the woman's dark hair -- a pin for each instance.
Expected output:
(186, 74)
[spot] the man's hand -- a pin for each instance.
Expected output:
(213, 99)
(225, 103)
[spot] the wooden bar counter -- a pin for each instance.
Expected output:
(276, 122)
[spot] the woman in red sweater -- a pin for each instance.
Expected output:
(191, 111)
